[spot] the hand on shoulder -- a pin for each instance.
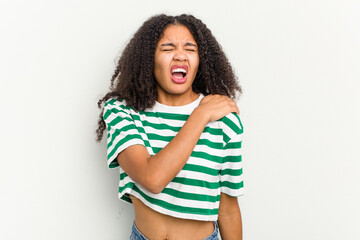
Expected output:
(217, 106)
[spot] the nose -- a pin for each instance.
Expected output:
(180, 55)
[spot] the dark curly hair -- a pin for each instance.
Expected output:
(134, 81)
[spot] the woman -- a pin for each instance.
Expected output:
(175, 132)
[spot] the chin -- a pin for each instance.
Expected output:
(176, 89)
(179, 90)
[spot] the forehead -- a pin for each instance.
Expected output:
(176, 34)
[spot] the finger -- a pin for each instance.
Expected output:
(235, 107)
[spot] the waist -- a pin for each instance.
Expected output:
(155, 225)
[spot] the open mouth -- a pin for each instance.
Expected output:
(178, 73)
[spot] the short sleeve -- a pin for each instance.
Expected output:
(121, 130)
(231, 177)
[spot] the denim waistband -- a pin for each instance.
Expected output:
(137, 235)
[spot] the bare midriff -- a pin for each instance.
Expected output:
(157, 226)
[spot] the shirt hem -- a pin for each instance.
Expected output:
(166, 211)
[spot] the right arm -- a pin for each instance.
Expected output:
(155, 172)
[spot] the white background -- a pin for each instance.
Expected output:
(298, 62)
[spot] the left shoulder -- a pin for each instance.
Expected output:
(231, 125)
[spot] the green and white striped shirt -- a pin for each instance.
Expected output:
(213, 167)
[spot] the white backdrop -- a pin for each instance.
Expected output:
(298, 62)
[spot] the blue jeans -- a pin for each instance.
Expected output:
(137, 235)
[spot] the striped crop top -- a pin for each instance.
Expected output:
(214, 166)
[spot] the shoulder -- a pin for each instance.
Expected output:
(232, 126)
(116, 109)
(115, 103)
(116, 106)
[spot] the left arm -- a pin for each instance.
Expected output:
(230, 223)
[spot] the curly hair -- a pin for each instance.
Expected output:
(134, 81)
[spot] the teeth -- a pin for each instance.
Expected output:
(179, 70)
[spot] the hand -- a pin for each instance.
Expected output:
(217, 106)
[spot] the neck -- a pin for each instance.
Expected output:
(177, 99)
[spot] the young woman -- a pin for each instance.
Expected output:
(174, 130)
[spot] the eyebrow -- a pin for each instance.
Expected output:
(173, 45)
(190, 44)
(167, 45)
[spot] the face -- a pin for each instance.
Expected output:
(176, 62)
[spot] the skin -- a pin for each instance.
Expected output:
(155, 172)
(176, 47)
